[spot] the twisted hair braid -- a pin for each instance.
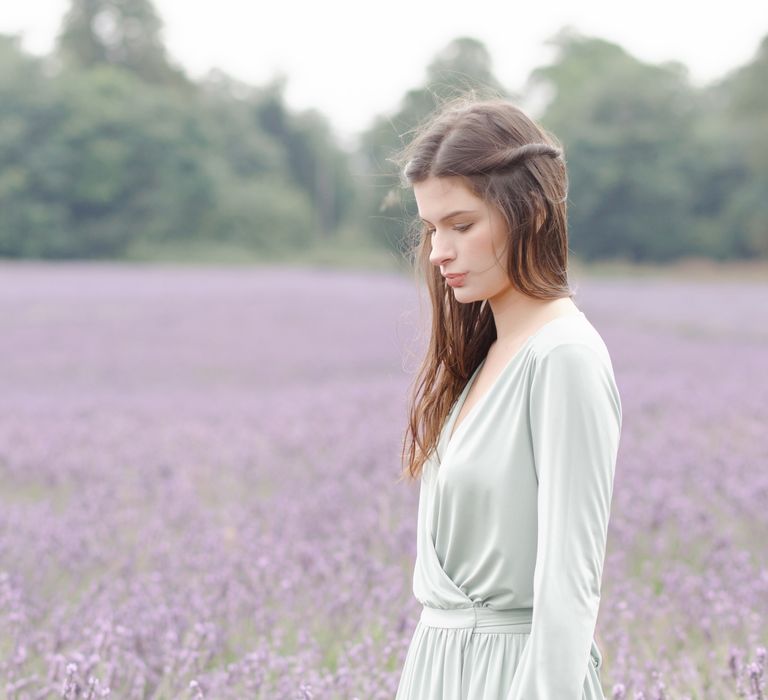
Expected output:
(511, 157)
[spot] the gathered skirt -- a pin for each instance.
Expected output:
(472, 654)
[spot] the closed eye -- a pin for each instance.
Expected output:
(462, 229)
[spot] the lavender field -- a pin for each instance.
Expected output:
(199, 490)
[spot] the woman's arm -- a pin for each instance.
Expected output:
(575, 418)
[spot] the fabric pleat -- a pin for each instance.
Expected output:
(462, 664)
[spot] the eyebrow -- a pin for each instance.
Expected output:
(452, 214)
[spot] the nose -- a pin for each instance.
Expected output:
(442, 250)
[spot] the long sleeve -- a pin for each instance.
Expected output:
(575, 419)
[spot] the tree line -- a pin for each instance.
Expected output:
(106, 144)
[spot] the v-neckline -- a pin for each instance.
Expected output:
(451, 432)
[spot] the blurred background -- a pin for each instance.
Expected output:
(209, 332)
(143, 130)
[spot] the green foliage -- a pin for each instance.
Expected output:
(98, 162)
(106, 149)
(124, 33)
(270, 162)
(314, 162)
(627, 129)
(263, 213)
(657, 168)
(96, 158)
(743, 118)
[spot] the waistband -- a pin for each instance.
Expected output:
(480, 619)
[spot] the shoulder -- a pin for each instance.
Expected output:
(572, 342)
(571, 366)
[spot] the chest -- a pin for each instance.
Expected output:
(491, 448)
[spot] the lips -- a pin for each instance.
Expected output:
(455, 279)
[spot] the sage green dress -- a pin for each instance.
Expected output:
(513, 517)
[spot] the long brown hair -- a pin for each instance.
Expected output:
(512, 163)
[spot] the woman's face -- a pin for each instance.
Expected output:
(473, 242)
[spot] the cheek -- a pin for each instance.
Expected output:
(485, 246)
(480, 242)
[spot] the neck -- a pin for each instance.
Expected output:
(517, 316)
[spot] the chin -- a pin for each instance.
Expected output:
(466, 296)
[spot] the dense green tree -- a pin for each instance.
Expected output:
(109, 146)
(738, 122)
(29, 113)
(658, 169)
(93, 160)
(98, 155)
(124, 33)
(627, 129)
(258, 201)
(315, 162)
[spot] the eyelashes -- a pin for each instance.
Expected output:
(462, 228)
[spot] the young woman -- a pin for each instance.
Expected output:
(515, 421)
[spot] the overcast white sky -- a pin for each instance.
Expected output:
(352, 59)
